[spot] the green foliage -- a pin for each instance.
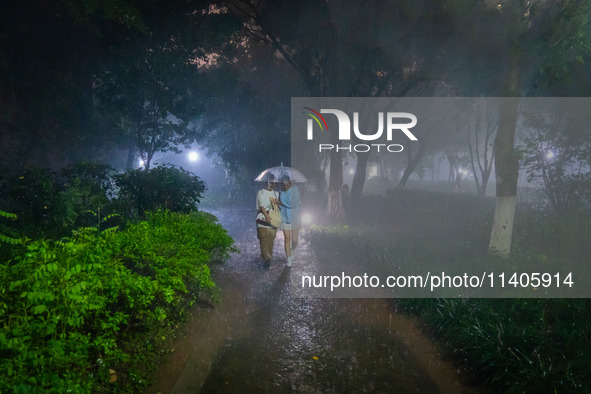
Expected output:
(556, 154)
(191, 240)
(10, 240)
(555, 234)
(515, 345)
(143, 53)
(101, 221)
(88, 193)
(76, 313)
(115, 10)
(165, 187)
(52, 204)
(7, 215)
(35, 197)
(564, 46)
(4, 237)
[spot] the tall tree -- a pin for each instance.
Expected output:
(246, 119)
(147, 91)
(532, 32)
(59, 55)
(346, 50)
(153, 86)
(481, 128)
(520, 47)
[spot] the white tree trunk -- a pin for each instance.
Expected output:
(502, 229)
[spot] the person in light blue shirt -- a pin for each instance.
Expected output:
(290, 206)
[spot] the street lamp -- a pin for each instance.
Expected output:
(306, 218)
(193, 156)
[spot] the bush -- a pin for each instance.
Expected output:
(34, 196)
(51, 204)
(165, 187)
(87, 313)
(89, 190)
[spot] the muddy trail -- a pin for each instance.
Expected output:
(260, 339)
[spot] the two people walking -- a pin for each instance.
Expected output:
(289, 202)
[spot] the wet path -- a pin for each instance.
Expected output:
(259, 339)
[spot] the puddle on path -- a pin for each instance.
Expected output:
(260, 339)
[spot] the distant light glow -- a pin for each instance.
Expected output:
(193, 156)
(141, 163)
(463, 171)
(306, 218)
(351, 171)
(550, 155)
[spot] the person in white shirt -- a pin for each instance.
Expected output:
(265, 232)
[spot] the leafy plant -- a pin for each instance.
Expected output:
(88, 188)
(4, 237)
(51, 204)
(88, 313)
(101, 221)
(34, 196)
(556, 155)
(165, 187)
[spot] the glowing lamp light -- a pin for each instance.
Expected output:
(193, 156)
(141, 163)
(549, 155)
(306, 218)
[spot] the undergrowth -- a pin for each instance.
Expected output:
(91, 312)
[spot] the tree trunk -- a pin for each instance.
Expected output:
(359, 178)
(336, 209)
(506, 168)
(413, 161)
(484, 184)
(130, 156)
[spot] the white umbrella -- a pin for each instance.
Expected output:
(276, 174)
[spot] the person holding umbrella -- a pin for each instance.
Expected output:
(289, 205)
(266, 233)
(290, 209)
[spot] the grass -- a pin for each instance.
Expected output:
(512, 345)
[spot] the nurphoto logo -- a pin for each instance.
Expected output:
(394, 122)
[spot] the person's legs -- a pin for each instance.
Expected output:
(271, 234)
(261, 237)
(294, 237)
(266, 238)
(287, 245)
(287, 242)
